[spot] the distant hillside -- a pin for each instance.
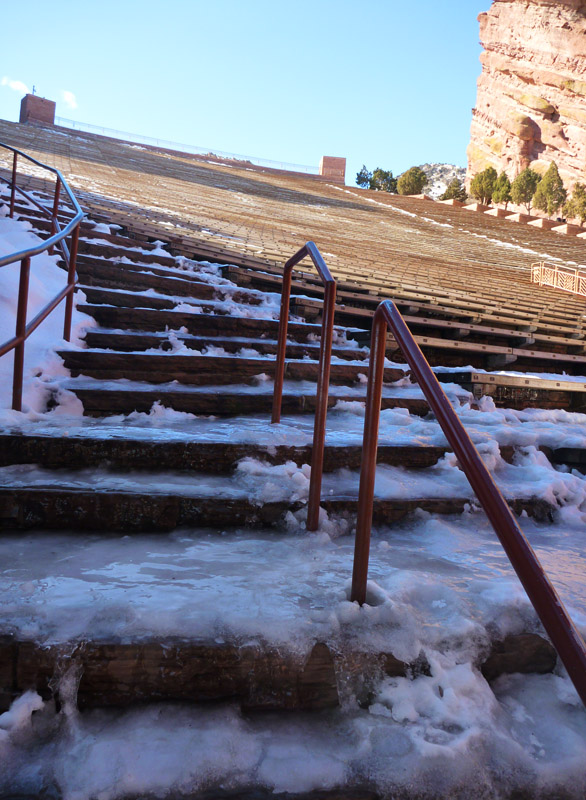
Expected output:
(439, 176)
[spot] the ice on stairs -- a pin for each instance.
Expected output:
(440, 586)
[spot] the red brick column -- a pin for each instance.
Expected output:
(333, 168)
(37, 109)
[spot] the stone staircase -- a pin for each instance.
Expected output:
(166, 531)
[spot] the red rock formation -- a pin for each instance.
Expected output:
(531, 104)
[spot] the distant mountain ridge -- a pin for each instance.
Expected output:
(439, 176)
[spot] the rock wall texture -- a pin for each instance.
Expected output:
(531, 103)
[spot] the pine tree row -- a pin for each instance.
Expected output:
(530, 189)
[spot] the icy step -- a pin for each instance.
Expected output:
(205, 369)
(200, 752)
(257, 493)
(79, 450)
(112, 276)
(196, 616)
(124, 397)
(143, 277)
(90, 250)
(42, 223)
(114, 339)
(91, 234)
(202, 324)
(260, 677)
(151, 298)
(560, 436)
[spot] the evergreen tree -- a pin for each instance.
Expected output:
(383, 181)
(412, 181)
(523, 188)
(550, 194)
(502, 190)
(482, 185)
(455, 191)
(364, 177)
(576, 207)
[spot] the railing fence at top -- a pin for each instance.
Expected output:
(544, 598)
(323, 376)
(69, 255)
(166, 144)
(568, 279)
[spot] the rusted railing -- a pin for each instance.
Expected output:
(323, 377)
(549, 607)
(566, 278)
(57, 239)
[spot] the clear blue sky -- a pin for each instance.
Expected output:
(384, 83)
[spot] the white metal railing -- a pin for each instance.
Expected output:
(181, 147)
(568, 279)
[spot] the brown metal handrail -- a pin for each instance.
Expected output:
(546, 602)
(57, 239)
(323, 377)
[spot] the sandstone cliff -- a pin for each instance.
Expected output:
(531, 103)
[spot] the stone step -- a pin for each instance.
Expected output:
(88, 233)
(131, 341)
(131, 299)
(112, 297)
(101, 401)
(42, 223)
(79, 451)
(111, 276)
(148, 319)
(131, 251)
(96, 272)
(258, 676)
(105, 509)
(102, 245)
(201, 370)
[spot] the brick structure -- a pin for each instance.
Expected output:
(333, 168)
(37, 109)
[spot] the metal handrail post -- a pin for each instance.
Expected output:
(54, 215)
(71, 283)
(321, 407)
(13, 185)
(18, 372)
(544, 598)
(281, 344)
(368, 463)
(323, 379)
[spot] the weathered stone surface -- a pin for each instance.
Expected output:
(136, 512)
(203, 370)
(530, 104)
(116, 674)
(103, 401)
(257, 675)
(527, 652)
(197, 456)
